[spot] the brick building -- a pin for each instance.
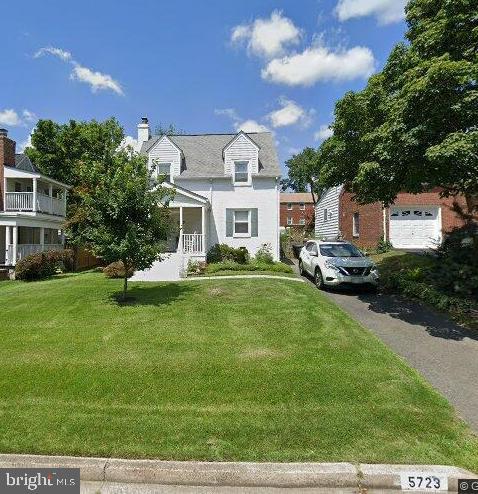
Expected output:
(297, 210)
(413, 221)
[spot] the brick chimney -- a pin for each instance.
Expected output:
(7, 157)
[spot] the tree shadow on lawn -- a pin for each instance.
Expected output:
(154, 294)
(436, 323)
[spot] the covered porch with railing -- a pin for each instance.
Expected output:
(21, 241)
(36, 195)
(188, 232)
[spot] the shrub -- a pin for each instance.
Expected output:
(116, 270)
(456, 271)
(43, 265)
(277, 267)
(264, 254)
(196, 267)
(383, 246)
(224, 252)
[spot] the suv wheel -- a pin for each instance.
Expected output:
(301, 268)
(318, 279)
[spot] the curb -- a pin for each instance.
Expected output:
(235, 474)
(243, 277)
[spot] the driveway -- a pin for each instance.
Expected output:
(443, 352)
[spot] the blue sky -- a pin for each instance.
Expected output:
(206, 66)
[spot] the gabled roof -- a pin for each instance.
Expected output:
(296, 197)
(236, 137)
(23, 162)
(203, 153)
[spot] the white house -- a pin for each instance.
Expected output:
(32, 206)
(227, 188)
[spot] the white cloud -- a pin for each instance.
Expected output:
(239, 123)
(250, 126)
(323, 133)
(27, 143)
(57, 52)
(290, 113)
(319, 63)
(97, 80)
(10, 117)
(386, 11)
(267, 37)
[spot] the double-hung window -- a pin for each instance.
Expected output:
(241, 173)
(164, 170)
(289, 220)
(242, 223)
(289, 206)
(302, 206)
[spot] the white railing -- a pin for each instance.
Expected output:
(58, 207)
(193, 243)
(23, 201)
(24, 250)
(18, 201)
(43, 203)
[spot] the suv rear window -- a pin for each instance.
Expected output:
(339, 250)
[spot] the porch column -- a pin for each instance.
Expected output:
(42, 238)
(50, 193)
(62, 237)
(34, 194)
(180, 246)
(7, 242)
(64, 201)
(203, 228)
(14, 242)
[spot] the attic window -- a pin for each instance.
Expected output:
(241, 173)
(164, 169)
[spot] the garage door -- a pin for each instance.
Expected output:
(414, 227)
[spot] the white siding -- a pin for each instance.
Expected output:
(263, 195)
(241, 149)
(165, 151)
(330, 202)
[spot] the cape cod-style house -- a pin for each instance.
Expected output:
(32, 206)
(226, 189)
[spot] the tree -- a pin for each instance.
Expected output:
(303, 170)
(414, 127)
(127, 212)
(167, 130)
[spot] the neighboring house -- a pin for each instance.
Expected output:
(32, 206)
(414, 221)
(227, 188)
(296, 210)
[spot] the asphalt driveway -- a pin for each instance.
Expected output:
(443, 352)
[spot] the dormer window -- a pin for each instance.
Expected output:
(164, 169)
(241, 173)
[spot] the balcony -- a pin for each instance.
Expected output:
(26, 201)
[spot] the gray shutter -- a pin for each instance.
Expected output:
(254, 226)
(229, 222)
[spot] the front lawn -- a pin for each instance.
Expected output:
(259, 370)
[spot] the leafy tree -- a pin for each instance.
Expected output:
(167, 130)
(127, 212)
(414, 127)
(303, 170)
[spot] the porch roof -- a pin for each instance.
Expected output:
(13, 172)
(182, 191)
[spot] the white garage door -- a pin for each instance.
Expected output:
(414, 227)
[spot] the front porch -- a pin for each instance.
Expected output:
(189, 236)
(21, 241)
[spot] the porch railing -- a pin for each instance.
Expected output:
(19, 201)
(23, 201)
(24, 250)
(193, 243)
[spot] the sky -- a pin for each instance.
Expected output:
(213, 66)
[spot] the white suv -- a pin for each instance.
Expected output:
(336, 263)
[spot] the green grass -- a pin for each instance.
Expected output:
(259, 370)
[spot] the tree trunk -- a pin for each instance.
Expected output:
(125, 285)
